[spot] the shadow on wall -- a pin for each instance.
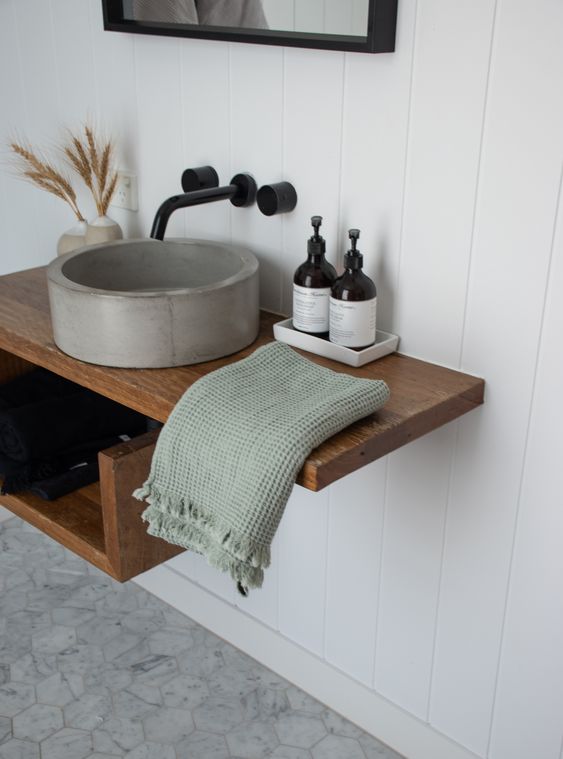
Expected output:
(385, 287)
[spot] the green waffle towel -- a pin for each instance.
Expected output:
(227, 458)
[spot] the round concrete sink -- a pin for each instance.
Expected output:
(148, 304)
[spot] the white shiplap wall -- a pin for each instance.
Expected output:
(432, 578)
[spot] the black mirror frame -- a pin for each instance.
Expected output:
(382, 22)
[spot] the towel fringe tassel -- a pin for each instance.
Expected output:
(185, 524)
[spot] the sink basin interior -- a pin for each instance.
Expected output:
(153, 266)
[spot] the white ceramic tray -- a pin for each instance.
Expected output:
(384, 343)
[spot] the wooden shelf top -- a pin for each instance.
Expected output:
(423, 396)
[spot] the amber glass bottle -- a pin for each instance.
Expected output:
(312, 284)
(353, 302)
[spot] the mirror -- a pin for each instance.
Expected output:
(366, 26)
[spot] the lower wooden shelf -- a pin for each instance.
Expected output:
(102, 522)
(75, 520)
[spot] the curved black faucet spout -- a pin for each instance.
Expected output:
(241, 192)
(186, 200)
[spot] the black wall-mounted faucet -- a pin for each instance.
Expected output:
(201, 185)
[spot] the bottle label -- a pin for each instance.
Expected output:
(310, 308)
(352, 323)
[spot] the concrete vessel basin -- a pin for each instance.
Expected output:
(150, 303)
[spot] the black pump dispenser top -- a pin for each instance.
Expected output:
(353, 258)
(316, 245)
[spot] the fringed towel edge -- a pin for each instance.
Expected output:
(169, 517)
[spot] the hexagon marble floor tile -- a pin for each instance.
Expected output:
(93, 669)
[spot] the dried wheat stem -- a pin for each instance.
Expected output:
(93, 149)
(92, 160)
(45, 176)
(106, 199)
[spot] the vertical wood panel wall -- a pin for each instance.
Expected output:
(432, 577)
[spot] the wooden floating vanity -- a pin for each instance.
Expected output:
(102, 522)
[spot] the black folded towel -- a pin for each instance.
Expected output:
(36, 385)
(46, 427)
(49, 425)
(66, 482)
(18, 477)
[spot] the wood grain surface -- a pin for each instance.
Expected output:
(130, 549)
(423, 395)
(74, 520)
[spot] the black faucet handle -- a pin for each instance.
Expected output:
(200, 178)
(280, 197)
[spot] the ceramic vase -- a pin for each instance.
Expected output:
(71, 239)
(103, 229)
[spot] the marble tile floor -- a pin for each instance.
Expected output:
(93, 669)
